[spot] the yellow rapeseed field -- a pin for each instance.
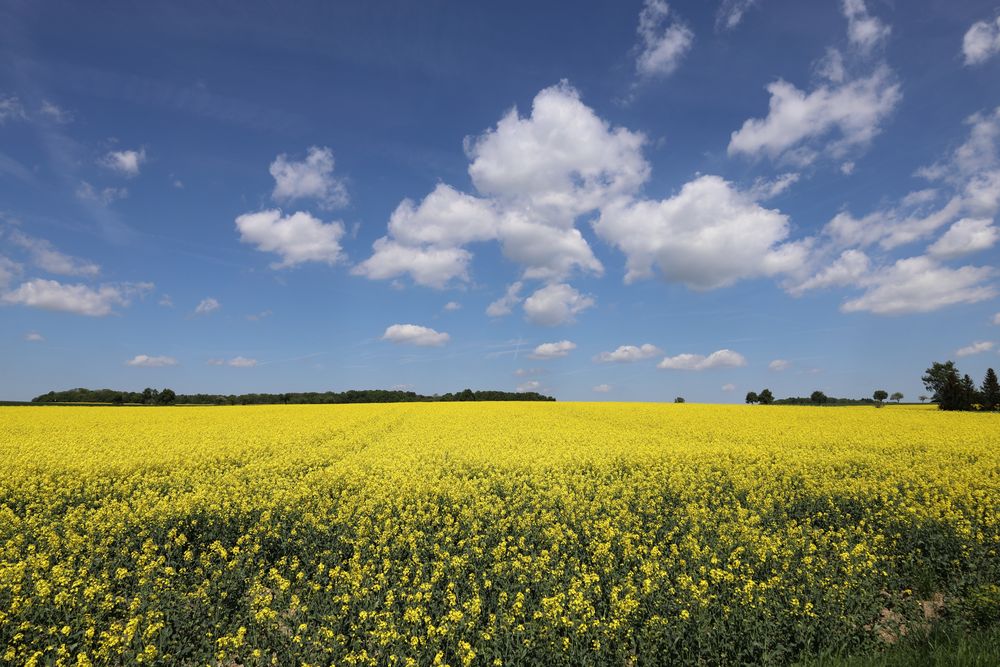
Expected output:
(484, 533)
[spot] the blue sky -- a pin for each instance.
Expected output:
(601, 201)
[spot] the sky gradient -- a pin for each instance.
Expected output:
(600, 201)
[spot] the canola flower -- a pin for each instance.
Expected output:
(482, 534)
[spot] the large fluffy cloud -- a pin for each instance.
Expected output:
(425, 239)
(555, 304)
(77, 298)
(297, 238)
(708, 235)
(920, 285)
(558, 163)
(546, 252)
(535, 176)
(430, 267)
(844, 115)
(445, 218)
(311, 178)
(414, 334)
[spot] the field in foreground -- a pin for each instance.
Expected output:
(488, 534)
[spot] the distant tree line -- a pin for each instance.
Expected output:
(150, 396)
(766, 397)
(953, 391)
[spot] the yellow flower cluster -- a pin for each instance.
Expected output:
(481, 534)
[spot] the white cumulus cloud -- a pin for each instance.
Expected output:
(698, 362)
(553, 350)
(708, 235)
(534, 177)
(602, 388)
(851, 268)
(311, 178)
(413, 334)
(296, 238)
(779, 365)
(846, 115)
(430, 267)
(445, 218)
(34, 337)
(555, 304)
(242, 362)
(966, 236)
(629, 353)
(921, 285)
(127, 163)
(425, 240)
(74, 298)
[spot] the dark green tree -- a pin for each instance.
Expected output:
(951, 394)
(765, 397)
(970, 395)
(166, 397)
(679, 399)
(937, 376)
(879, 396)
(752, 397)
(896, 396)
(990, 391)
(818, 397)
